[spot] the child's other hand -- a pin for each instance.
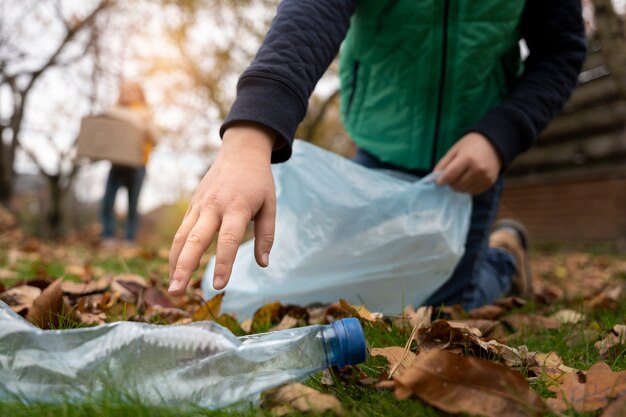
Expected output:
(238, 188)
(471, 166)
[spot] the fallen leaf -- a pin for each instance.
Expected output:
(397, 357)
(509, 303)
(167, 314)
(589, 391)
(441, 335)
(617, 408)
(246, 325)
(49, 307)
(510, 356)
(89, 318)
(548, 364)
(531, 322)
(567, 316)
(155, 297)
(608, 299)
(267, 316)
(337, 311)
(85, 288)
(122, 293)
(133, 282)
(327, 378)
(317, 314)
(488, 312)
(287, 322)
(360, 311)
(613, 343)
(456, 384)
(422, 317)
(463, 325)
(210, 310)
(300, 398)
(484, 326)
(22, 295)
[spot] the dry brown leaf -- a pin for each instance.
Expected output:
(456, 384)
(132, 282)
(210, 310)
(509, 303)
(122, 293)
(463, 325)
(367, 315)
(300, 398)
(484, 326)
(85, 288)
(90, 318)
(510, 356)
(168, 314)
(246, 325)
(608, 299)
(268, 315)
(589, 391)
(567, 316)
(397, 357)
(617, 408)
(613, 343)
(422, 317)
(531, 322)
(488, 312)
(49, 307)
(22, 295)
(287, 322)
(441, 335)
(548, 364)
(155, 297)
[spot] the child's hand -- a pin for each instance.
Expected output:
(238, 188)
(471, 166)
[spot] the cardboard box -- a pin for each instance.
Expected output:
(118, 141)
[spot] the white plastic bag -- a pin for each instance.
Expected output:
(345, 231)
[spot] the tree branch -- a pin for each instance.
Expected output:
(73, 30)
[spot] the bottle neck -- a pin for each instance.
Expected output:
(344, 343)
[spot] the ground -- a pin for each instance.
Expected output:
(578, 303)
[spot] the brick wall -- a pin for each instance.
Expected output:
(570, 211)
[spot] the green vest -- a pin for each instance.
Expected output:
(417, 74)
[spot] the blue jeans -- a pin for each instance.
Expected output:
(131, 178)
(483, 274)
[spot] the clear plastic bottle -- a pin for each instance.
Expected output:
(200, 363)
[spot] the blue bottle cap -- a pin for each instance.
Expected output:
(352, 348)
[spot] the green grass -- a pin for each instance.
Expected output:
(574, 343)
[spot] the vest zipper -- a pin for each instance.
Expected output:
(444, 54)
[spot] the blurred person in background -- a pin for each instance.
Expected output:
(132, 107)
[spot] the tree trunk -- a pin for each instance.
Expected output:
(54, 217)
(6, 188)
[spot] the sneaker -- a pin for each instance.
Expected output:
(512, 236)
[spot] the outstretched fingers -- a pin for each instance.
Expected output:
(230, 236)
(264, 225)
(189, 245)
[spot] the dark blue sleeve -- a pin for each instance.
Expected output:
(302, 41)
(555, 35)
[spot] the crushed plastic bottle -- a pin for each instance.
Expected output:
(200, 363)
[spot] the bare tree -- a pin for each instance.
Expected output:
(21, 68)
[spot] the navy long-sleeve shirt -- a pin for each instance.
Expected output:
(305, 37)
